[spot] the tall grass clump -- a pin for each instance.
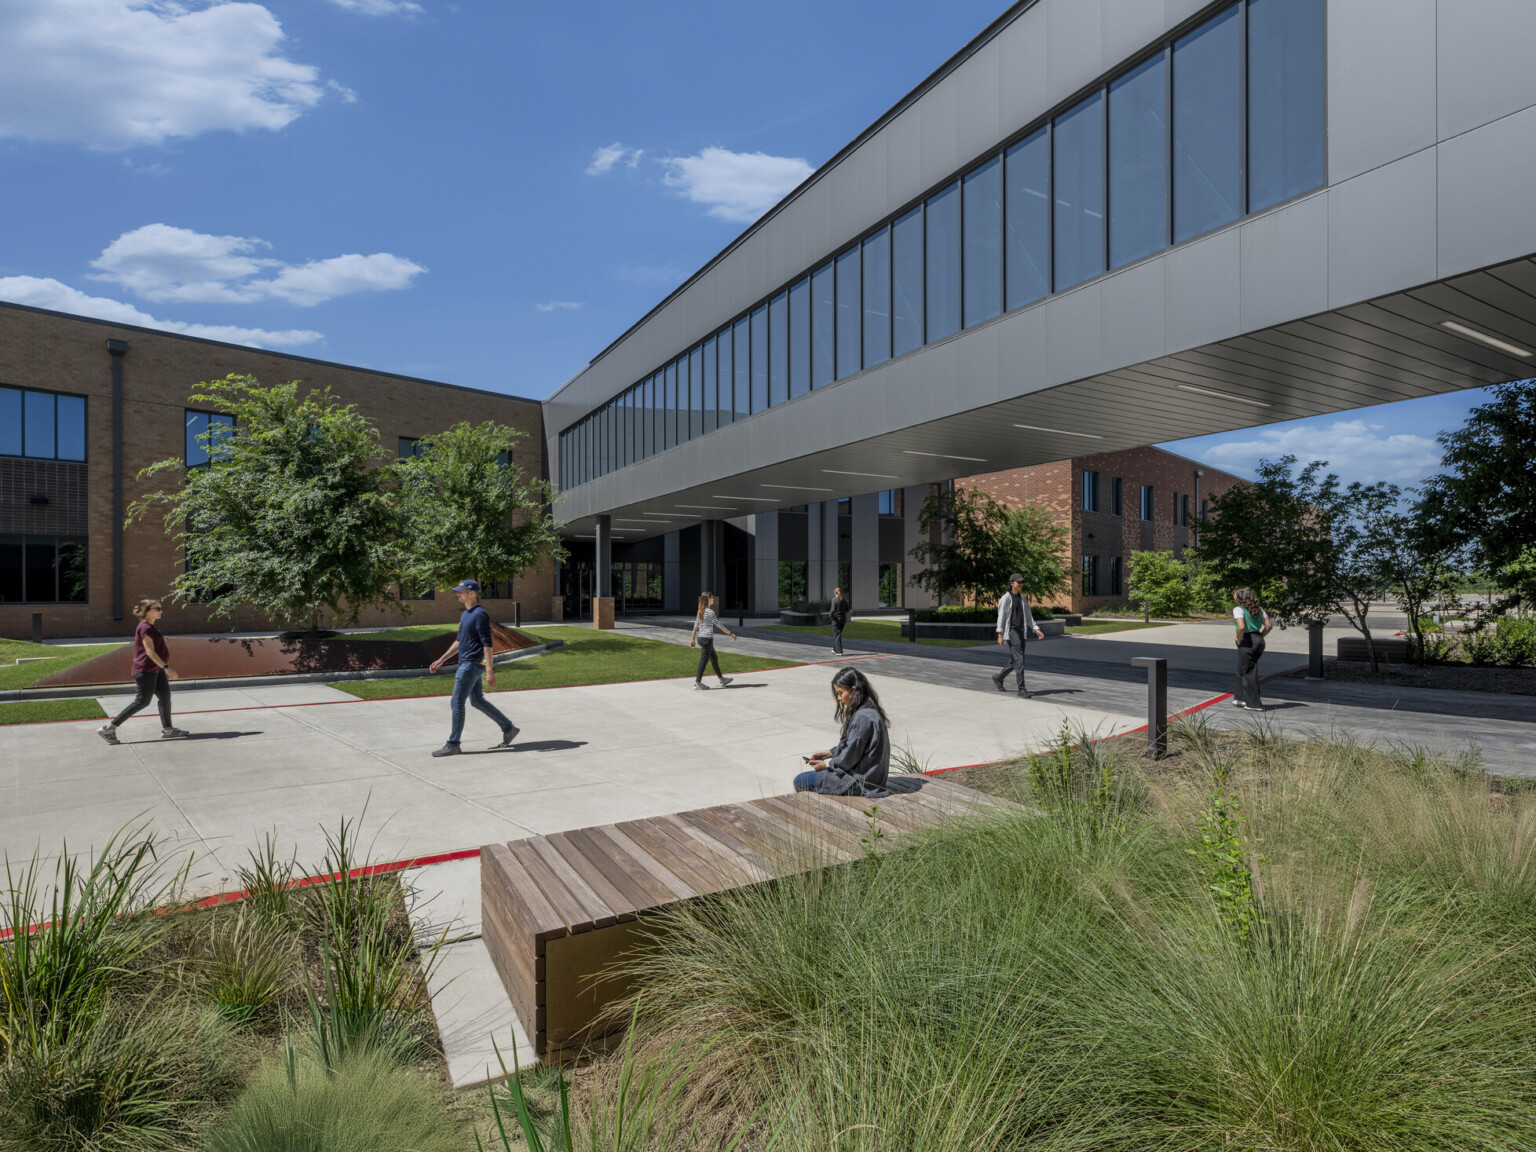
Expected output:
(248, 967)
(1118, 966)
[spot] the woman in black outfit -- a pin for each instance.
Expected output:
(1252, 624)
(839, 613)
(151, 674)
(704, 625)
(858, 765)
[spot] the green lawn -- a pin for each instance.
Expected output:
(1108, 626)
(589, 657)
(34, 711)
(417, 632)
(889, 630)
(13, 675)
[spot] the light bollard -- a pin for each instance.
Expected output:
(1157, 704)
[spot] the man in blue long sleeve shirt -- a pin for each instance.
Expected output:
(474, 648)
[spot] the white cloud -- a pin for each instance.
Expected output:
(380, 7)
(347, 95)
(46, 293)
(737, 186)
(162, 262)
(111, 74)
(562, 305)
(1354, 449)
(605, 158)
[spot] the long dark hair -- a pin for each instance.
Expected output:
(863, 695)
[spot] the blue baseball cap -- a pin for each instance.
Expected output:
(466, 586)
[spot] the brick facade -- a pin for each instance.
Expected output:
(58, 353)
(1104, 534)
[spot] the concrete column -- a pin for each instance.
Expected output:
(671, 574)
(912, 500)
(816, 587)
(765, 567)
(829, 549)
(602, 598)
(711, 573)
(866, 551)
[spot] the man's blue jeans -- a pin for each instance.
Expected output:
(466, 686)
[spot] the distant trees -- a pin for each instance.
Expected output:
(982, 542)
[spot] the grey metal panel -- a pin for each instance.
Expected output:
(1203, 283)
(1024, 82)
(1074, 31)
(1023, 363)
(1074, 324)
(977, 126)
(1484, 61)
(1381, 82)
(1131, 304)
(1381, 230)
(1177, 11)
(866, 551)
(1128, 27)
(1487, 186)
(939, 113)
(1285, 264)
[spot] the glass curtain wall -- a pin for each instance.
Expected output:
(1224, 120)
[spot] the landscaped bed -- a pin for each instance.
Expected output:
(1456, 677)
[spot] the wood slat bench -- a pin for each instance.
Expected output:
(558, 910)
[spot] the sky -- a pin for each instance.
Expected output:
(479, 192)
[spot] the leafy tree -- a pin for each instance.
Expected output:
(1421, 568)
(291, 513)
(983, 542)
(467, 509)
(1484, 503)
(1160, 583)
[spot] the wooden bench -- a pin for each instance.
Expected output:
(1387, 651)
(558, 910)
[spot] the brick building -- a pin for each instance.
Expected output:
(1113, 504)
(75, 391)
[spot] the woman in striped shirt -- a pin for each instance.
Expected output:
(704, 625)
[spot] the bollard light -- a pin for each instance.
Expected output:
(1157, 704)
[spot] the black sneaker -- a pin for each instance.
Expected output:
(701, 684)
(724, 680)
(508, 735)
(108, 733)
(448, 750)
(998, 684)
(1026, 695)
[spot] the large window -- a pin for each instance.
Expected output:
(800, 338)
(1286, 108)
(943, 263)
(760, 360)
(778, 349)
(1114, 576)
(743, 369)
(890, 585)
(42, 425)
(711, 387)
(1138, 162)
(1116, 495)
(1028, 215)
(983, 191)
(877, 298)
(850, 309)
(907, 282)
(1078, 163)
(42, 570)
(1207, 126)
(1147, 504)
(205, 431)
(792, 582)
(1090, 575)
(889, 502)
(823, 325)
(1090, 491)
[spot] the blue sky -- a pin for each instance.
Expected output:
(478, 192)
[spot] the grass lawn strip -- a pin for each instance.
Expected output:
(1111, 626)
(38, 711)
(414, 632)
(887, 630)
(589, 657)
(57, 658)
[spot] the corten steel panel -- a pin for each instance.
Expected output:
(1481, 76)
(1487, 183)
(1381, 231)
(1202, 290)
(1381, 82)
(1284, 269)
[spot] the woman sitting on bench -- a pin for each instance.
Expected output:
(859, 763)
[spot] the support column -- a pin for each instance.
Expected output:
(118, 349)
(602, 606)
(912, 500)
(816, 587)
(765, 582)
(671, 573)
(710, 570)
(829, 549)
(866, 551)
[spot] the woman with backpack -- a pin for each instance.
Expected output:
(704, 624)
(1252, 624)
(858, 764)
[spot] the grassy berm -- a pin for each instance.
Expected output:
(1255, 944)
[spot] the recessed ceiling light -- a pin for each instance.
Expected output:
(945, 456)
(1225, 396)
(871, 475)
(1491, 341)
(797, 487)
(707, 507)
(1058, 431)
(754, 499)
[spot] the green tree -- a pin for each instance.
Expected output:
(982, 542)
(1160, 583)
(1421, 568)
(468, 509)
(1484, 503)
(292, 514)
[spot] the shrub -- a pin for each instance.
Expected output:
(1515, 641)
(364, 1104)
(962, 614)
(1160, 583)
(249, 966)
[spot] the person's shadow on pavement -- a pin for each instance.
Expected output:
(532, 746)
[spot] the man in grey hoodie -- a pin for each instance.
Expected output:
(1014, 622)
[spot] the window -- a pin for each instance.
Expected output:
(1138, 162)
(778, 349)
(943, 266)
(711, 387)
(1079, 190)
(823, 324)
(907, 282)
(845, 506)
(1207, 126)
(1028, 177)
(850, 308)
(983, 192)
(43, 570)
(877, 298)
(727, 375)
(1116, 494)
(1286, 111)
(1181, 509)
(696, 392)
(743, 372)
(1146, 502)
(1114, 576)
(496, 590)
(1090, 575)
(42, 425)
(418, 592)
(206, 429)
(890, 585)
(1090, 491)
(792, 585)
(760, 360)
(1205, 511)
(889, 502)
(800, 338)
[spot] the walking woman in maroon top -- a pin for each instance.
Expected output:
(151, 667)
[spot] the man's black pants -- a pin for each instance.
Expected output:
(1015, 661)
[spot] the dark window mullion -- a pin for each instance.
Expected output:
(1242, 112)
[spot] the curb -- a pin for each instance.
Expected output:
(91, 691)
